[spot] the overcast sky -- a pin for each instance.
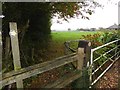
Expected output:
(103, 17)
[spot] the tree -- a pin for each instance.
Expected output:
(34, 19)
(39, 14)
(22, 12)
(69, 29)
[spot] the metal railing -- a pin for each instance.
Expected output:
(100, 56)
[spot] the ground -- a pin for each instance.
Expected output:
(111, 78)
(109, 81)
(50, 76)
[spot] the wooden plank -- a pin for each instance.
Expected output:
(15, 51)
(80, 57)
(65, 80)
(33, 72)
(23, 70)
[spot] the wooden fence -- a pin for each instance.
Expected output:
(82, 59)
(79, 59)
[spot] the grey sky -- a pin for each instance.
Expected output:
(103, 17)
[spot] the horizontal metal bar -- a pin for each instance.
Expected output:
(118, 45)
(99, 67)
(117, 58)
(115, 54)
(104, 63)
(104, 45)
(102, 73)
(104, 54)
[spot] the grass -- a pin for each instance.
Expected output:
(56, 45)
(72, 35)
(56, 49)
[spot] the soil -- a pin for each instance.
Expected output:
(111, 79)
(50, 76)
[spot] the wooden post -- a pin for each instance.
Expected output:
(83, 54)
(83, 57)
(0, 44)
(0, 58)
(15, 51)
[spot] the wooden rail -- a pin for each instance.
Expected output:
(11, 77)
(64, 81)
(79, 59)
(19, 74)
(23, 73)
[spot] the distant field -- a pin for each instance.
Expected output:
(71, 35)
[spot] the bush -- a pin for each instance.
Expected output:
(100, 39)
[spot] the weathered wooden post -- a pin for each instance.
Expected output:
(1, 16)
(0, 57)
(15, 51)
(83, 57)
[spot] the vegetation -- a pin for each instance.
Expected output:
(100, 39)
(66, 36)
(34, 21)
(37, 43)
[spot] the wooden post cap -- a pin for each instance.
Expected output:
(83, 44)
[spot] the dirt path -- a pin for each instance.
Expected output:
(111, 79)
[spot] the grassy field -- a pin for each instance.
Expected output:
(72, 35)
(56, 45)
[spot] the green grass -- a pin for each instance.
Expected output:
(65, 36)
(56, 45)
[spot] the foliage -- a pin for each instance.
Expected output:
(100, 39)
(94, 39)
(34, 22)
(71, 9)
(22, 11)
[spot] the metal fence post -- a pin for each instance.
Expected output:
(90, 67)
(15, 51)
(118, 47)
(83, 56)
